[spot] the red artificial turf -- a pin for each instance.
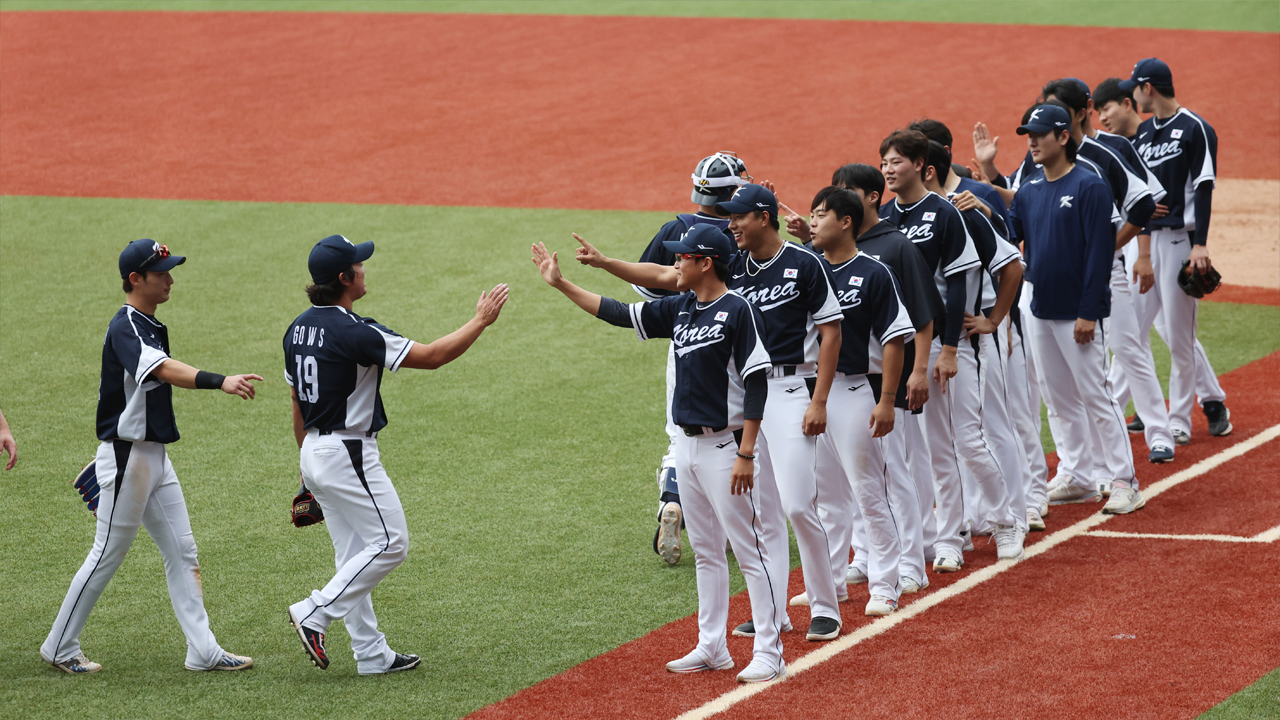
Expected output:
(545, 111)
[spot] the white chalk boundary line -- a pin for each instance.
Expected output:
(884, 624)
(1264, 537)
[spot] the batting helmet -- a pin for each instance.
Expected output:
(716, 177)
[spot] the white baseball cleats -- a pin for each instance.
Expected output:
(666, 541)
(694, 662)
(1124, 500)
(78, 665)
(762, 671)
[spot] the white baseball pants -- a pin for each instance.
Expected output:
(909, 458)
(974, 443)
(1131, 345)
(789, 459)
(1024, 410)
(138, 487)
(1190, 370)
(998, 428)
(939, 446)
(752, 522)
(1075, 386)
(370, 537)
(848, 451)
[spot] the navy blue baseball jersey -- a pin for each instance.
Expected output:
(988, 195)
(717, 345)
(333, 359)
(793, 292)
(1128, 189)
(1124, 149)
(1093, 168)
(657, 253)
(1182, 151)
(994, 251)
(938, 230)
(873, 313)
(132, 405)
(1069, 240)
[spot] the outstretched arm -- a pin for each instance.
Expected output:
(7, 444)
(182, 375)
(649, 275)
(448, 348)
(549, 266)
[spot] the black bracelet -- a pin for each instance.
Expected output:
(208, 380)
(745, 457)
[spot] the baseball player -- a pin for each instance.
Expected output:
(1135, 202)
(720, 396)
(1063, 217)
(333, 361)
(7, 444)
(981, 350)
(956, 183)
(875, 326)
(910, 483)
(952, 425)
(791, 287)
(714, 179)
(1181, 149)
(137, 483)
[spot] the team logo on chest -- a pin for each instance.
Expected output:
(929, 217)
(722, 316)
(790, 273)
(855, 281)
(691, 337)
(1175, 134)
(1065, 201)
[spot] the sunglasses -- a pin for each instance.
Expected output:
(161, 252)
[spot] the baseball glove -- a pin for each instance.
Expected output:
(86, 483)
(1195, 284)
(306, 511)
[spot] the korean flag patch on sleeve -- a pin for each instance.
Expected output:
(722, 316)
(790, 273)
(928, 217)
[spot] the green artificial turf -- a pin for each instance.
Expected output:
(1256, 702)
(526, 467)
(1243, 15)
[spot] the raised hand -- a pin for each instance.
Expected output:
(984, 146)
(240, 385)
(588, 254)
(548, 263)
(490, 304)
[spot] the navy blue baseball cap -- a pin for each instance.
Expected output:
(705, 240)
(1046, 118)
(147, 255)
(334, 254)
(750, 198)
(1150, 70)
(1082, 85)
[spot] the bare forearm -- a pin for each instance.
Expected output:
(1010, 280)
(650, 275)
(923, 340)
(177, 374)
(891, 370)
(588, 301)
(446, 349)
(828, 358)
(1127, 233)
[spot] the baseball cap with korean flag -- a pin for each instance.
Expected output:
(1046, 118)
(334, 254)
(704, 240)
(1149, 70)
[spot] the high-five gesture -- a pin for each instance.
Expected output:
(490, 304)
(548, 262)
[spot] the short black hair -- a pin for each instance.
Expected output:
(128, 286)
(910, 144)
(1072, 146)
(1165, 90)
(939, 160)
(1070, 92)
(932, 129)
(331, 292)
(773, 221)
(1109, 91)
(721, 268)
(841, 201)
(864, 177)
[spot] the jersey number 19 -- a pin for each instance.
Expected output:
(308, 378)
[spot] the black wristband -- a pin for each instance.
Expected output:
(208, 380)
(745, 457)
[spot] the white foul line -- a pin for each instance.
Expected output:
(1268, 536)
(835, 647)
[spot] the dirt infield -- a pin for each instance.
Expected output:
(542, 111)
(1134, 614)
